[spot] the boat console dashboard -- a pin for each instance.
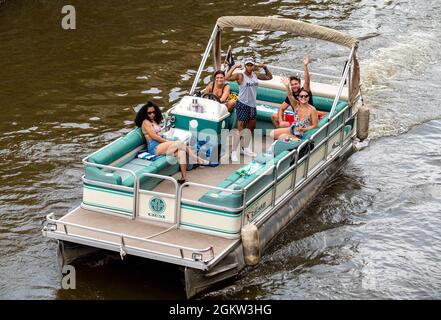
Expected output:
(201, 108)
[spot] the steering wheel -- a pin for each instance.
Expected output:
(211, 96)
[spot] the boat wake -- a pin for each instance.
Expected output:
(410, 66)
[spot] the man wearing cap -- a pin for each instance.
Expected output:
(246, 103)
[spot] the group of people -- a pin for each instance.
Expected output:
(288, 126)
(304, 116)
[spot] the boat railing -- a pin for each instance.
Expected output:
(197, 254)
(112, 186)
(161, 194)
(293, 156)
(284, 158)
(181, 200)
(330, 122)
(246, 201)
(274, 170)
(106, 185)
(268, 171)
(296, 152)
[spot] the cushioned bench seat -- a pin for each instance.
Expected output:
(279, 96)
(164, 166)
(264, 112)
(122, 153)
(281, 145)
(320, 89)
(235, 181)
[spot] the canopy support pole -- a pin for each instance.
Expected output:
(342, 83)
(204, 59)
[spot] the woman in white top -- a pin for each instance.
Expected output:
(246, 103)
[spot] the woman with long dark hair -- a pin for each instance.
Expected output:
(149, 119)
(305, 115)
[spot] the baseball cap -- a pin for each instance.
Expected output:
(248, 60)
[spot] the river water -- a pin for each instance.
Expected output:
(374, 233)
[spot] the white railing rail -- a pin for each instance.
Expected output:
(178, 189)
(51, 225)
(162, 177)
(203, 204)
(135, 190)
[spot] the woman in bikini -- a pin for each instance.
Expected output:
(305, 116)
(148, 119)
(220, 89)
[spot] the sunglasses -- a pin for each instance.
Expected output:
(304, 96)
(151, 112)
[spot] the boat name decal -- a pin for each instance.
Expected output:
(157, 205)
(254, 212)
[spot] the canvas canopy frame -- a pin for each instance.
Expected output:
(293, 27)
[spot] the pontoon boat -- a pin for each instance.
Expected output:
(136, 207)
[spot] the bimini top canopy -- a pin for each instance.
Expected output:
(296, 28)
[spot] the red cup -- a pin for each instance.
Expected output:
(290, 118)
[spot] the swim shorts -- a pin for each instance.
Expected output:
(245, 112)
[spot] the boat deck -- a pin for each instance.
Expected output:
(213, 176)
(141, 238)
(203, 175)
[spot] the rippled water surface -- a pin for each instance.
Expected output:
(373, 233)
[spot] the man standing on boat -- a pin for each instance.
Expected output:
(246, 103)
(281, 120)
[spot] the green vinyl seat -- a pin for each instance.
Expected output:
(278, 96)
(122, 153)
(281, 145)
(236, 181)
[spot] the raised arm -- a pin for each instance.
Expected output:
(234, 77)
(307, 83)
(267, 75)
(292, 101)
